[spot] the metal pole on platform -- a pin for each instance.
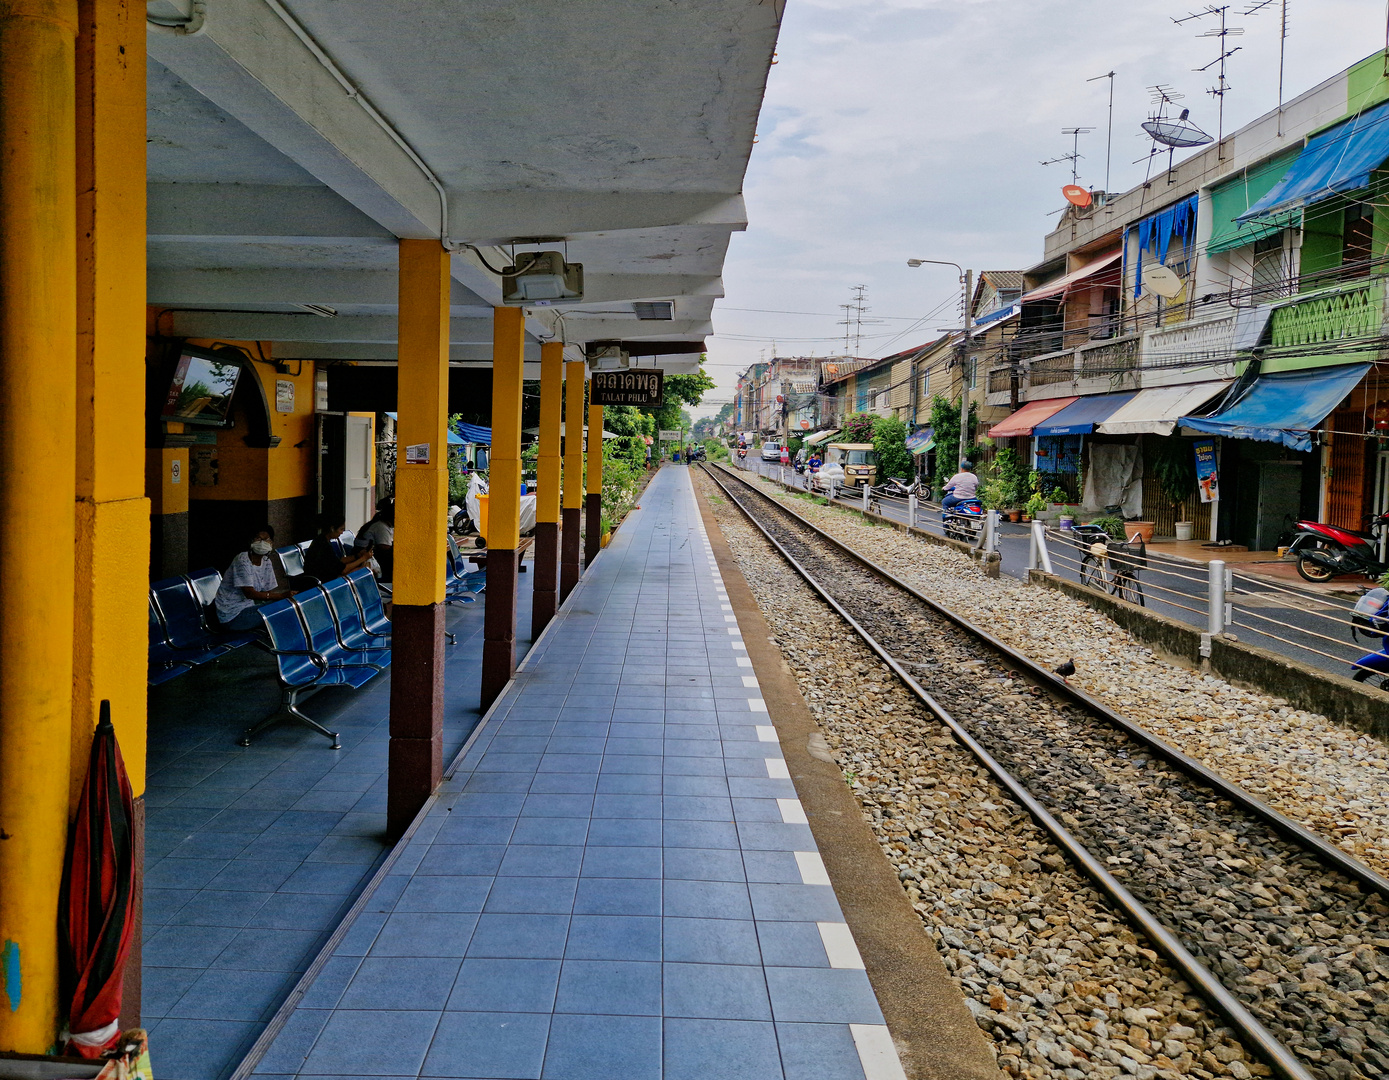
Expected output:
(1215, 597)
(1039, 544)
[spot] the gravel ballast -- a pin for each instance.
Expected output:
(1325, 776)
(1051, 973)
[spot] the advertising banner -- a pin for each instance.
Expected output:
(1206, 473)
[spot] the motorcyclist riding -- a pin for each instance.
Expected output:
(961, 487)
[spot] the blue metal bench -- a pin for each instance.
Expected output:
(176, 606)
(350, 619)
(165, 662)
(309, 656)
(368, 598)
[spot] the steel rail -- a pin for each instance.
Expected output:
(1283, 825)
(1277, 1056)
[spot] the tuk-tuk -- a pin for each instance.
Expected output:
(859, 462)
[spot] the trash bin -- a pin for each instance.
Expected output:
(482, 514)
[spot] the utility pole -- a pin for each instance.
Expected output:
(964, 363)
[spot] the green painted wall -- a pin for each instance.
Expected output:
(1321, 239)
(1366, 84)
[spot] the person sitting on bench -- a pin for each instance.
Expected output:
(322, 560)
(378, 535)
(249, 582)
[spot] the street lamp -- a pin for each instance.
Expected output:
(967, 280)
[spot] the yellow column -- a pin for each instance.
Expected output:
(113, 515)
(504, 503)
(38, 343)
(545, 597)
(573, 477)
(593, 527)
(421, 504)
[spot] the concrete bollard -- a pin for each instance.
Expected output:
(911, 511)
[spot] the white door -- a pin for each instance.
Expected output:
(360, 497)
(1381, 505)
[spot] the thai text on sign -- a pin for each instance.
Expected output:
(643, 387)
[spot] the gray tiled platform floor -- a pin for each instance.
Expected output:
(617, 881)
(253, 855)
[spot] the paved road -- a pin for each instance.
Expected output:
(1178, 590)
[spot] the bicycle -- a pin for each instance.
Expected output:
(1111, 567)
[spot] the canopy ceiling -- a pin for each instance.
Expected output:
(276, 196)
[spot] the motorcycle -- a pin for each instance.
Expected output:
(899, 489)
(964, 521)
(742, 453)
(1370, 617)
(1323, 551)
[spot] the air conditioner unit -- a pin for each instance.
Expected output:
(608, 358)
(542, 275)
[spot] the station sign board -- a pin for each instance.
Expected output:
(668, 435)
(643, 387)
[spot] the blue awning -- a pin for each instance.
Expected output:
(1284, 407)
(1081, 415)
(1336, 162)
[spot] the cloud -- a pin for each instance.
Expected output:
(900, 128)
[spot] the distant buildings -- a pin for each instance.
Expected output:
(1238, 304)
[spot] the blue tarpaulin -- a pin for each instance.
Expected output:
(472, 433)
(465, 433)
(1336, 162)
(1081, 415)
(1156, 231)
(1285, 406)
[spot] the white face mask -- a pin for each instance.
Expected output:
(261, 547)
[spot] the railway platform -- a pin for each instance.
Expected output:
(616, 878)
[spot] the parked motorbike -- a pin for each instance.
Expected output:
(1323, 551)
(964, 521)
(900, 489)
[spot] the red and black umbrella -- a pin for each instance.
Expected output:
(96, 908)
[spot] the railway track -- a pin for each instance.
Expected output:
(1284, 934)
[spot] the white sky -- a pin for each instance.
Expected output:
(901, 128)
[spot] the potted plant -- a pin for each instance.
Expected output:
(1035, 506)
(605, 531)
(1174, 468)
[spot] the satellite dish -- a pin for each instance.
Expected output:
(1077, 195)
(1163, 281)
(1180, 132)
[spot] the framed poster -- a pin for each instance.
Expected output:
(644, 387)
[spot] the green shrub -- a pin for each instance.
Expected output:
(1114, 526)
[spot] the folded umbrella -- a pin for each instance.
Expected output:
(96, 907)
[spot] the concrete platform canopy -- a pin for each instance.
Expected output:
(291, 142)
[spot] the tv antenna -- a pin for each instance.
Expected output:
(1222, 34)
(1254, 9)
(1109, 137)
(1075, 155)
(854, 321)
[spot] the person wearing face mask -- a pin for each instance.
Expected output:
(249, 582)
